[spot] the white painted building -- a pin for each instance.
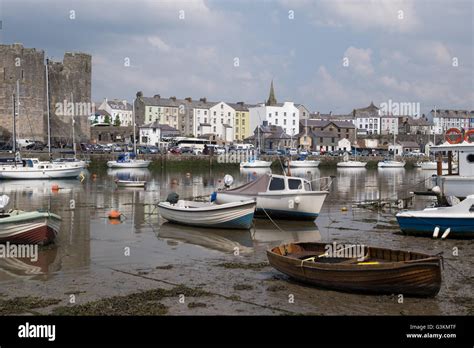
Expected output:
(119, 110)
(445, 119)
(368, 119)
(285, 115)
(214, 120)
(344, 145)
(150, 134)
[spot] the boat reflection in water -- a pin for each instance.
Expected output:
(215, 239)
(306, 173)
(26, 268)
(129, 172)
(268, 232)
(253, 173)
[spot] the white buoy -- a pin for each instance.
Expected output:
(436, 232)
(445, 234)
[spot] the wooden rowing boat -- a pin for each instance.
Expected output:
(380, 270)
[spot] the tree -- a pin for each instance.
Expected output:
(117, 121)
(107, 119)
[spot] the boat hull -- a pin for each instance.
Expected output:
(256, 164)
(22, 173)
(391, 164)
(41, 230)
(131, 164)
(278, 206)
(424, 226)
(304, 164)
(414, 278)
(122, 183)
(351, 164)
(226, 216)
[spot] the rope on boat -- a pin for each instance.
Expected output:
(276, 225)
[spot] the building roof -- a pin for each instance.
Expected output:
(100, 112)
(325, 123)
(450, 113)
(371, 107)
(163, 127)
(120, 105)
(408, 144)
(416, 121)
(271, 98)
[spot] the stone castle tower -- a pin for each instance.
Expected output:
(27, 65)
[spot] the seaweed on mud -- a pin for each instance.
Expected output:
(19, 305)
(276, 287)
(164, 267)
(140, 303)
(237, 265)
(243, 287)
(196, 305)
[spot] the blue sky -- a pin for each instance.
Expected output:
(399, 50)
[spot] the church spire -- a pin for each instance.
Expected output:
(271, 98)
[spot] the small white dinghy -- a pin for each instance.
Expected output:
(235, 215)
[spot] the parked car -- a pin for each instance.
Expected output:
(154, 149)
(186, 149)
(175, 150)
(271, 152)
(36, 145)
(281, 152)
(304, 152)
(117, 148)
(315, 153)
(219, 150)
(292, 152)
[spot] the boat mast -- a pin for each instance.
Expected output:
(73, 128)
(47, 108)
(14, 123)
(134, 125)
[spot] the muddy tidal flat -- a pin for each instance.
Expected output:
(143, 265)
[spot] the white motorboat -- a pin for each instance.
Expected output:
(391, 164)
(130, 163)
(72, 162)
(21, 227)
(303, 164)
(278, 196)
(458, 218)
(351, 164)
(33, 168)
(256, 164)
(234, 215)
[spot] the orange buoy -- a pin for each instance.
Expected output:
(115, 214)
(114, 221)
(55, 187)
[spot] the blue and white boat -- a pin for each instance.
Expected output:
(235, 215)
(459, 219)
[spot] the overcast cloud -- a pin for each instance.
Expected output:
(398, 50)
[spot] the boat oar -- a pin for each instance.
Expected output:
(436, 232)
(445, 234)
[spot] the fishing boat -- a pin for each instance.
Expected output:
(459, 219)
(278, 196)
(33, 168)
(379, 270)
(130, 183)
(234, 215)
(21, 227)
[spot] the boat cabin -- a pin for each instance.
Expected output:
(465, 154)
(287, 183)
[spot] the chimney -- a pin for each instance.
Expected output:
(124, 102)
(189, 99)
(173, 98)
(265, 123)
(240, 103)
(204, 100)
(157, 96)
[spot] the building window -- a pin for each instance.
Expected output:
(332, 140)
(276, 121)
(243, 121)
(222, 106)
(294, 123)
(276, 113)
(284, 121)
(205, 112)
(228, 114)
(284, 114)
(214, 129)
(215, 113)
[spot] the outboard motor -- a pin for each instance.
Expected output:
(172, 198)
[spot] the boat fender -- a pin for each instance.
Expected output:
(172, 198)
(445, 234)
(468, 134)
(436, 232)
(213, 196)
(291, 204)
(297, 200)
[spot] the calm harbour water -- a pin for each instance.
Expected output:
(88, 239)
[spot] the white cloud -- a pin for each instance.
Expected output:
(359, 60)
(157, 42)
